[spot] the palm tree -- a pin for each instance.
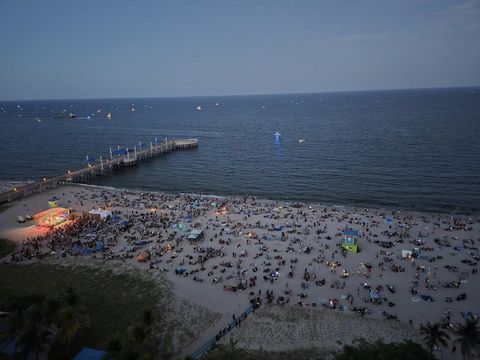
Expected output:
(433, 335)
(137, 344)
(16, 324)
(37, 333)
(468, 337)
(114, 347)
(71, 321)
(138, 334)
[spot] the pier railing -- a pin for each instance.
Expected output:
(97, 168)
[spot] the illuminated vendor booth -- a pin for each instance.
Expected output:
(52, 217)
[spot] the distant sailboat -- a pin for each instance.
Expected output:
(109, 116)
(199, 108)
(65, 115)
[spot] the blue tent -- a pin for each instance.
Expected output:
(88, 159)
(77, 249)
(123, 225)
(87, 251)
(119, 152)
(374, 295)
(8, 347)
(122, 151)
(90, 354)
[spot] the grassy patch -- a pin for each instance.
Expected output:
(310, 354)
(113, 301)
(6, 246)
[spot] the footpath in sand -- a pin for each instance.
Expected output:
(275, 328)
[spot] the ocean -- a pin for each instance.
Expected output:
(411, 149)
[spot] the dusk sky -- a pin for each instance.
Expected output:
(114, 48)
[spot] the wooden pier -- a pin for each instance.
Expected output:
(97, 168)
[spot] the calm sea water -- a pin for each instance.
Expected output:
(413, 149)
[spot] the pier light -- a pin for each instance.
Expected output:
(14, 189)
(69, 172)
(44, 179)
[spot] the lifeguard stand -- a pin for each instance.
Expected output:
(349, 241)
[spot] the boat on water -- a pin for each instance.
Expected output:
(199, 108)
(301, 141)
(64, 114)
(109, 116)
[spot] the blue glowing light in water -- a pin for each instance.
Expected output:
(277, 143)
(277, 137)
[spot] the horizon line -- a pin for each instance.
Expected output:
(251, 94)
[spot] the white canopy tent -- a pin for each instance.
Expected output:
(102, 213)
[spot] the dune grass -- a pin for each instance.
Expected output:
(6, 246)
(112, 301)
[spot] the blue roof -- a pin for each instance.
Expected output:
(89, 354)
(350, 232)
(8, 347)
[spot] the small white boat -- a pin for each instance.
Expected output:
(133, 109)
(199, 108)
(301, 141)
(109, 116)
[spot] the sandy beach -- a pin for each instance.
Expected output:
(286, 255)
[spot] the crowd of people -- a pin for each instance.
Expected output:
(283, 253)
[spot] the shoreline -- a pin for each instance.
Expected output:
(317, 204)
(435, 209)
